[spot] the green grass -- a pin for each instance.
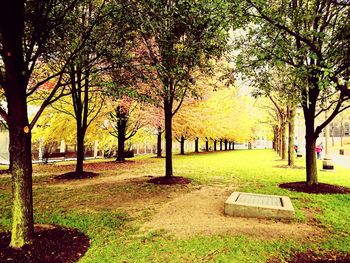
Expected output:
(109, 212)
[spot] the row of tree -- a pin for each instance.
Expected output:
(56, 49)
(304, 46)
(208, 118)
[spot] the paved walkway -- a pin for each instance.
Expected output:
(341, 160)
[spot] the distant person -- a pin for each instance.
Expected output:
(296, 148)
(319, 149)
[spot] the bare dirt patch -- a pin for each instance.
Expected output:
(201, 212)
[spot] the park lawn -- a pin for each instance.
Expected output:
(113, 208)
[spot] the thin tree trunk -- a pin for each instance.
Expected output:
(79, 168)
(220, 145)
(277, 142)
(182, 146)
(159, 143)
(233, 145)
(121, 138)
(196, 145)
(207, 146)
(283, 141)
(225, 145)
(168, 139)
(291, 126)
(214, 145)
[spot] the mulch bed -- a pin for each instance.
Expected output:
(74, 176)
(311, 257)
(321, 188)
(50, 244)
(169, 181)
(94, 166)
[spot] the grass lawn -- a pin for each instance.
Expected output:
(129, 220)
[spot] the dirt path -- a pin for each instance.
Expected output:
(201, 212)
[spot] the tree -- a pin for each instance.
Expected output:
(179, 37)
(125, 122)
(312, 38)
(26, 41)
(96, 20)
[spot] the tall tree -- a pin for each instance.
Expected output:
(312, 37)
(28, 32)
(179, 37)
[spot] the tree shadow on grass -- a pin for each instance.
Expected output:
(50, 244)
(169, 180)
(320, 188)
(74, 176)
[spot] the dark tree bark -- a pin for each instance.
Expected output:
(80, 98)
(311, 134)
(214, 145)
(283, 141)
(207, 146)
(182, 145)
(278, 148)
(121, 126)
(196, 145)
(121, 130)
(275, 138)
(311, 165)
(220, 145)
(159, 143)
(233, 145)
(12, 31)
(291, 127)
(168, 137)
(225, 145)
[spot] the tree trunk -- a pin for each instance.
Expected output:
(207, 146)
(311, 165)
(11, 26)
(220, 145)
(20, 150)
(233, 145)
(121, 138)
(291, 151)
(196, 143)
(214, 145)
(168, 138)
(159, 143)
(79, 168)
(309, 109)
(225, 145)
(283, 141)
(277, 142)
(182, 146)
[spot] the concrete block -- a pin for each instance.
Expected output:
(259, 206)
